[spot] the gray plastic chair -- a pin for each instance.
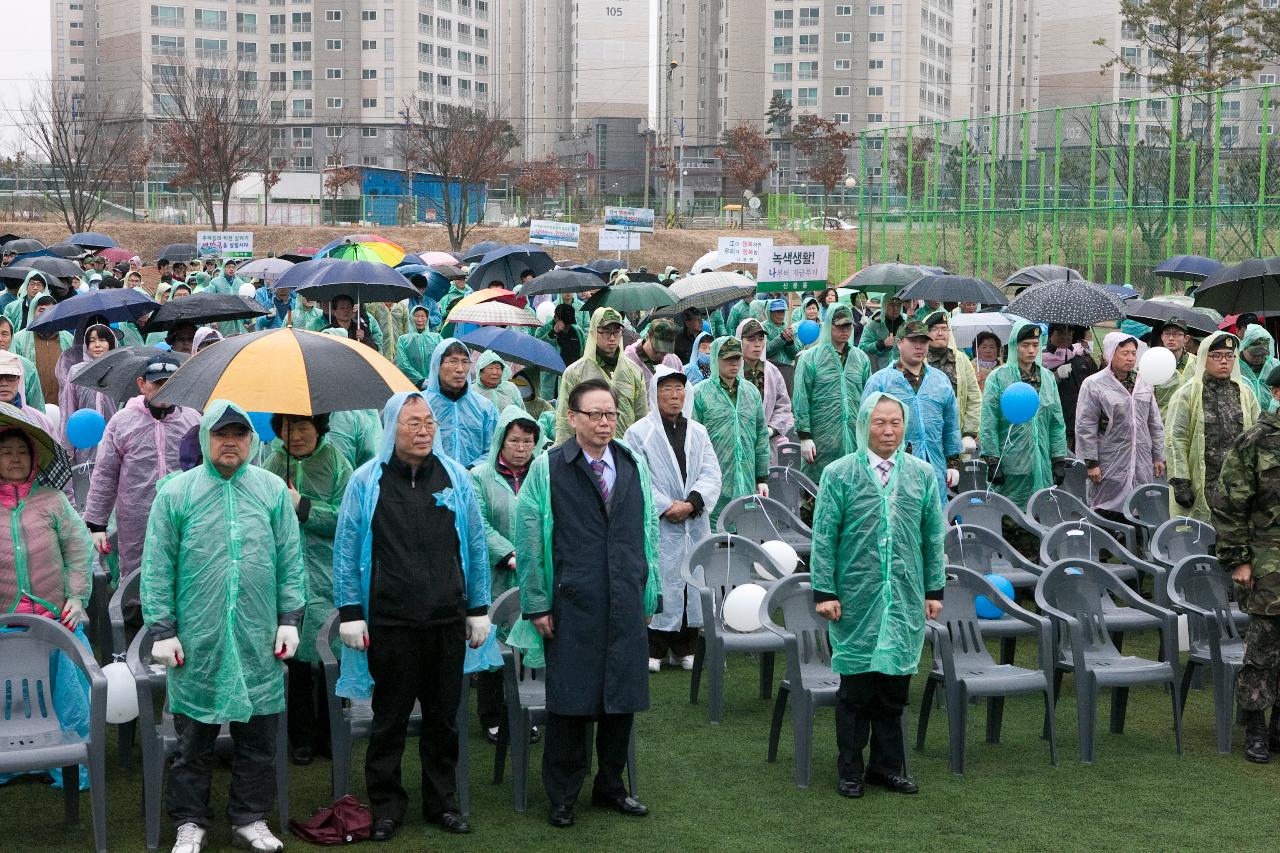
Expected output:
(1053, 506)
(160, 739)
(1075, 479)
(788, 455)
(126, 591)
(985, 551)
(1146, 508)
(715, 567)
(31, 735)
(1070, 593)
(966, 670)
(351, 719)
(1182, 537)
(763, 520)
(525, 692)
(989, 509)
(1200, 588)
(789, 487)
(973, 476)
(809, 682)
(1085, 541)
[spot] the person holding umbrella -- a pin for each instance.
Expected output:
(879, 340)
(98, 341)
(465, 419)
(279, 303)
(829, 380)
(733, 414)
(1257, 360)
(602, 359)
(414, 349)
(457, 290)
(562, 332)
(1070, 361)
(316, 476)
(692, 326)
(655, 346)
(491, 377)
(357, 324)
(226, 281)
(43, 348)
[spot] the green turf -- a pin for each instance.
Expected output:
(710, 788)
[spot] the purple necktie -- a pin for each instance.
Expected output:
(597, 465)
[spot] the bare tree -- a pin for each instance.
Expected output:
(82, 141)
(744, 155)
(826, 147)
(539, 178)
(216, 125)
(465, 148)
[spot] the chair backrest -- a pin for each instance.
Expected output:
(1074, 478)
(1076, 588)
(1182, 537)
(788, 455)
(760, 520)
(1199, 581)
(988, 509)
(1053, 506)
(28, 712)
(1080, 540)
(792, 599)
(1148, 505)
(960, 615)
(127, 590)
(973, 476)
(789, 487)
(723, 562)
(983, 550)
(504, 613)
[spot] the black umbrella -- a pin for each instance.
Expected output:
(1071, 303)
(561, 281)
(1155, 313)
(112, 305)
(479, 250)
(1253, 285)
(362, 281)
(178, 253)
(56, 267)
(23, 246)
(115, 373)
(66, 250)
(507, 263)
(199, 308)
(51, 460)
(606, 265)
(1039, 274)
(14, 272)
(954, 288)
(92, 240)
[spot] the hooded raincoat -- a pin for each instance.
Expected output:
(1257, 379)
(27, 371)
(878, 550)
(1184, 430)
(777, 402)
(414, 349)
(353, 548)
(827, 391)
(648, 438)
(692, 368)
(72, 398)
(968, 394)
(18, 312)
(632, 354)
(933, 430)
(1026, 450)
(464, 427)
(321, 479)
(506, 393)
(873, 335)
(626, 380)
(32, 394)
(222, 568)
(498, 500)
(136, 451)
(221, 284)
(738, 433)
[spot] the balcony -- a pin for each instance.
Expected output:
(481, 14)
(301, 56)
(445, 33)
(278, 29)
(276, 57)
(247, 58)
(782, 50)
(426, 88)
(303, 113)
(277, 86)
(246, 28)
(809, 22)
(303, 27)
(425, 30)
(204, 24)
(808, 48)
(426, 59)
(783, 24)
(465, 38)
(482, 41)
(162, 50)
(444, 5)
(781, 77)
(807, 75)
(167, 21)
(302, 85)
(464, 66)
(206, 53)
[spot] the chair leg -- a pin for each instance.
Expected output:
(341, 746)
(500, 752)
(926, 705)
(957, 718)
(715, 660)
(1054, 692)
(766, 674)
(1050, 724)
(995, 718)
(1177, 716)
(802, 727)
(1185, 688)
(152, 784)
(695, 675)
(1086, 713)
(1008, 648)
(71, 794)
(1119, 707)
(125, 734)
(775, 727)
(520, 761)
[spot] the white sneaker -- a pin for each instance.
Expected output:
(655, 664)
(256, 836)
(686, 663)
(190, 839)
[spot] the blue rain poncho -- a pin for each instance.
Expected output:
(692, 368)
(353, 549)
(878, 550)
(826, 394)
(464, 427)
(934, 427)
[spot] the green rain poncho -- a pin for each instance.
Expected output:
(626, 379)
(222, 563)
(738, 433)
(1026, 450)
(498, 501)
(413, 350)
(321, 479)
(878, 550)
(826, 394)
(873, 335)
(506, 393)
(221, 284)
(1257, 379)
(355, 434)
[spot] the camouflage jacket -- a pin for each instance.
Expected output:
(1223, 418)
(1246, 512)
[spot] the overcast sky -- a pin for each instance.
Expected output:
(25, 59)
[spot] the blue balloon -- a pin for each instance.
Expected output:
(262, 424)
(85, 428)
(1019, 403)
(807, 332)
(983, 605)
(162, 345)
(706, 325)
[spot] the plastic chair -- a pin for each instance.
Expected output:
(1075, 479)
(790, 488)
(1085, 541)
(1146, 508)
(988, 509)
(353, 718)
(973, 476)
(1070, 593)
(126, 590)
(763, 520)
(1182, 537)
(788, 455)
(809, 679)
(160, 739)
(1053, 506)
(525, 692)
(986, 551)
(966, 670)
(31, 735)
(1200, 588)
(715, 567)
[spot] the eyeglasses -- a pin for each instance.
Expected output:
(419, 425)
(1222, 357)
(596, 417)
(456, 362)
(609, 334)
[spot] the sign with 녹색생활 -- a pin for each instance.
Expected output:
(792, 268)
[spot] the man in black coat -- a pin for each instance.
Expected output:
(591, 606)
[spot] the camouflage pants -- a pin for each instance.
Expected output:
(1258, 684)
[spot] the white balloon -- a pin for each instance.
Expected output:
(741, 608)
(54, 416)
(1157, 366)
(122, 693)
(782, 554)
(545, 310)
(248, 291)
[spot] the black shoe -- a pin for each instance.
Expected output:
(492, 734)
(384, 829)
(1256, 737)
(561, 817)
(852, 790)
(534, 734)
(453, 822)
(302, 755)
(622, 804)
(892, 781)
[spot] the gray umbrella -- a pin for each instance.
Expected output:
(1156, 313)
(56, 267)
(1071, 303)
(1039, 274)
(115, 373)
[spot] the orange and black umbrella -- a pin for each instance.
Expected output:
(287, 371)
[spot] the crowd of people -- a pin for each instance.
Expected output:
(586, 489)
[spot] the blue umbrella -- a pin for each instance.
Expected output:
(92, 240)
(125, 305)
(507, 264)
(363, 281)
(301, 273)
(1123, 291)
(1188, 267)
(479, 250)
(515, 346)
(437, 285)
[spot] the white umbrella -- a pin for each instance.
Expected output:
(710, 261)
(493, 314)
(965, 327)
(266, 269)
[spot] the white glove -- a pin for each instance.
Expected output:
(808, 450)
(354, 635)
(286, 641)
(72, 614)
(168, 652)
(953, 478)
(864, 320)
(1064, 372)
(102, 543)
(969, 444)
(477, 630)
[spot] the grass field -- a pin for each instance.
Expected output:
(709, 788)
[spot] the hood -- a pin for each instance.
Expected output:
(864, 421)
(834, 312)
(658, 373)
(1011, 363)
(1253, 334)
(589, 346)
(1112, 341)
(693, 351)
(433, 375)
(1202, 358)
(416, 309)
(390, 415)
(506, 417)
(203, 333)
(212, 413)
(487, 358)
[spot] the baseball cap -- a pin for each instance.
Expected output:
(777, 305)
(608, 317)
(731, 349)
(914, 329)
(1028, 332)
(662, 335)
(10, 365)
(1176, 323)
(750, 326)
(936, 318)
(160, 367)
(231, 417)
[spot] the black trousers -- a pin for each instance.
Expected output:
(308, 714)
(566, 756)
(424, 665)
(869, 705)
(253, 772)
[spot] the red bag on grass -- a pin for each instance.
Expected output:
(346, 821)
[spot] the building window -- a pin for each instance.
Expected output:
(840, 118)
(369, 103)
(368, 15)
(875, 11)
(368, 44)
(1266, 78)
(369, 132)
(875, 91)
(875, 64)
(842, 65)
(842, 91)
(333, 14)
(807, 97)
(369, 74)
(874, 38)
(303, 163)
(875, 118)
(333, 74)
(333, 44)
(844, 12)
(782, 45)
(844, 38)
(333, 103)
(333, 132)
